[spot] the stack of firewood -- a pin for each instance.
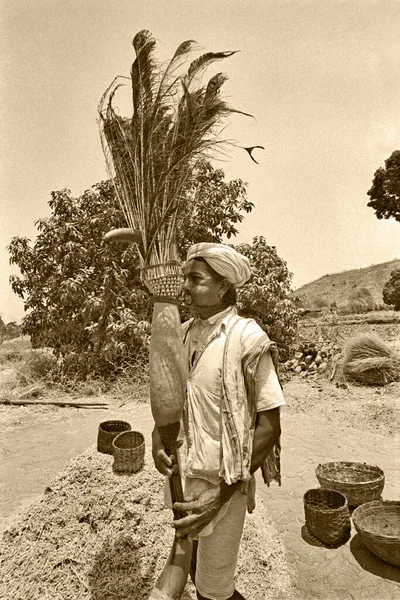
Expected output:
(314, 357)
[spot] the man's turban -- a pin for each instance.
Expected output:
(224, 260)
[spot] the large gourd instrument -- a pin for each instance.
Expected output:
(152, 157)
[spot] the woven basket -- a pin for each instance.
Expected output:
(128, 451)
(378, 523)
(108, 430)
(359, 482)
(327, 516)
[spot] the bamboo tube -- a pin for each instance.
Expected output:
(168, 375)
(172, 581)
(168, 371)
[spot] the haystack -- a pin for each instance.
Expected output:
(370, 361)
(99, 536)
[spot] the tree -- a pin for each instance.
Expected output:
(2, 330)
(85, 299)
(391, 290)
(385, 190)
(361, 301)
(213, 208)
(267, 296)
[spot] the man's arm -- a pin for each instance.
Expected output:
(266, 435)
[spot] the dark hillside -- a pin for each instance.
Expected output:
(346, 288)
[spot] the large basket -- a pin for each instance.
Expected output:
(378, 523)
(327, 516)
(128, 451)
(108, 430)
(359, 482)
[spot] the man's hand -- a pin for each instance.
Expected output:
(203, 507)
(166, 465)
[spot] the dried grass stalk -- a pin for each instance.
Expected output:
(370, 361)
(95, 535)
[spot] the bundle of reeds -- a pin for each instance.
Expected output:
(370, 361)
(175, 122)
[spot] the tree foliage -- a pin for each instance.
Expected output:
(266, 297)
(360, 301)
(385, 190)
(2, 330)
(391, 290)
(213, 208)
(84, 299)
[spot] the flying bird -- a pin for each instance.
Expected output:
(250, 150)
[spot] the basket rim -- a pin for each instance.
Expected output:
(320, 471)
(114, 421)
(321, 490)
(365, 507)
(130, 432)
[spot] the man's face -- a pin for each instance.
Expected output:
(203, 294)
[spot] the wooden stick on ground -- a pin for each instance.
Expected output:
(55, 403)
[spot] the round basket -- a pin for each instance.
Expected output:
(128, 451)
(327, 516)
(108, 430)
(378, 523)
(359, 482)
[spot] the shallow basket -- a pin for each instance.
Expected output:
(128, 451)
(327, 516)
(108, 430)
(359, 482)
(378, 523)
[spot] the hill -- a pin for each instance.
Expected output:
(348, 287)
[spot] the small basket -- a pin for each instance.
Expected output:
(108, 430)
(128, 451)
(378, 523)
(359, 482)
(327, 516)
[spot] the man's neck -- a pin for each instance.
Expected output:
(212, 311)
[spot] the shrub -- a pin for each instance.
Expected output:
(391, 290)
(267, 297)
(37, 366)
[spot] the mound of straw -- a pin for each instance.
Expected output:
(370, 361)
(96, 535)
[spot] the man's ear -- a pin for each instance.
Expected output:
(225, 285)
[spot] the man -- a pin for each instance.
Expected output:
(231, 421)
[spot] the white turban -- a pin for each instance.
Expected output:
(224, 260)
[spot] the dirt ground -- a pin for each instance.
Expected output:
(37, 441)
(38, 438)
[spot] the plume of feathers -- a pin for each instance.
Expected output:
(152, 154)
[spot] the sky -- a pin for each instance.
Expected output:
(321, 79)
